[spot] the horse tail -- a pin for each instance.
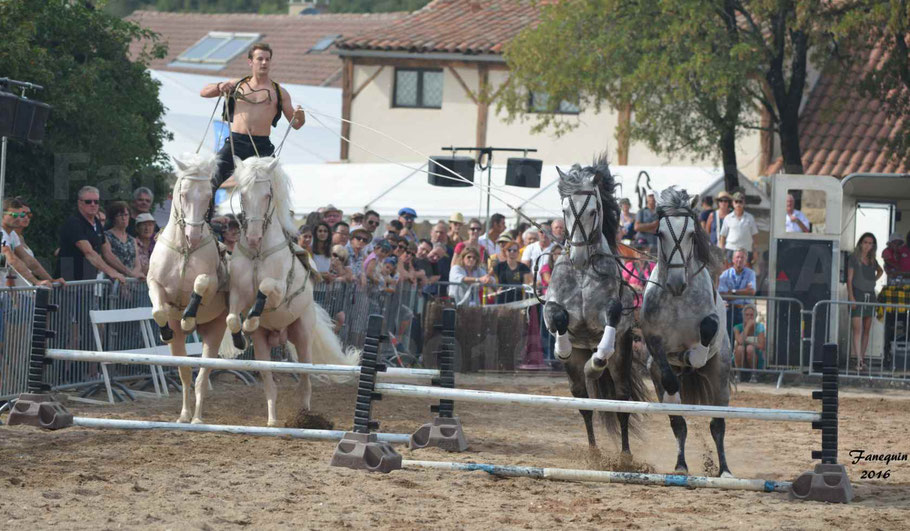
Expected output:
(327, 348)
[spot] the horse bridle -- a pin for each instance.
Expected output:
(587, 240)
(269, 209)
(677, 246)
(182, 222)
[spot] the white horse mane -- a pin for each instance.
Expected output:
(246, 173)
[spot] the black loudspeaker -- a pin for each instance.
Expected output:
(22, 118)
(9, 103)
(523, 172)
(463, 166)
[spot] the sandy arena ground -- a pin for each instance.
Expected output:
(92, 479)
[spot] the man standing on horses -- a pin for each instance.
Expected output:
(253, 106)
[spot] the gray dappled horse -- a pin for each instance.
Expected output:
(683, 321)
(587, 300)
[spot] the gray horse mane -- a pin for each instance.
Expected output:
(675, 202)
(576, 180)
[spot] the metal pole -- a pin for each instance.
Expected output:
(601, 476)
(617, 406)
(223, 364)
(3, 168)
(296, 433)
(489, 183)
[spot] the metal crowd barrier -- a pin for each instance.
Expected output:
(889, 363)
(17, 313)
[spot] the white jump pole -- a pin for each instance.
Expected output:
(234, 365)
(295, 433)
(618, 406)
(600, 476)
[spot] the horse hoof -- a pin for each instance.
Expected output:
(239, 341)
(594, 367)
(166, 334)
(188, 324)
(184, 418)
(250, 325)
(681, 471)
(272, 424)
(196, 420)
(727, 474)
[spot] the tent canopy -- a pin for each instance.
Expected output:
(187, 115)
(386, 188)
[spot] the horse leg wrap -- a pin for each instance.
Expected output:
(614, 313)
(606, 347)
(698, 355)
(563, 346)
(671, 399)
(259, 306)
(193, 306)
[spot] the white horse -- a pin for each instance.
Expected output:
(263, 261)
(184, 272)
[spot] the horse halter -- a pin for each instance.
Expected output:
(180, 210)
(269, 209)
(677, 246)
(587, 239)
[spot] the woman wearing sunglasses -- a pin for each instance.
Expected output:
(475, 231)
(511, 273)
(18, 255)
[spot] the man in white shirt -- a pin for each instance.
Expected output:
(535, 250)
(796, 220)
(488, 240)
(739, 229)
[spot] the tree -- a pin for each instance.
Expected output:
(886, 26)
(679, 65)
(106, 127)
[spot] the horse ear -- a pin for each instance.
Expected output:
(693, 202)
(180, 165)
(560, 172)
(273, 163)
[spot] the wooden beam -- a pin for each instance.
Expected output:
(499, 90)
(463, 84)
(483, 105)
(347, 98)
(367, 82)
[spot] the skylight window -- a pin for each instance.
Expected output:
(215, 50)
(324, 43)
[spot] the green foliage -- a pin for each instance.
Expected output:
(106, 126)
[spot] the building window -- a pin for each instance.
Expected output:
(540, 102)
(418, 87)
(324, 43)
(215, 50)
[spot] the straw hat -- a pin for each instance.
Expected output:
(457, 217)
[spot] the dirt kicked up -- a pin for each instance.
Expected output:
(80, 478)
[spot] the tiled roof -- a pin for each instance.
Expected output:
(453, 26)
(290, 36)
(840, 131)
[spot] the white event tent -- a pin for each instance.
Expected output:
(387, 187)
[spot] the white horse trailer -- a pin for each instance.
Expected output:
(811, 266)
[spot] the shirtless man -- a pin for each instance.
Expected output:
(254, 103)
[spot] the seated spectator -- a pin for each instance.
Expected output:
(796, 220)
(322, 247)
(749, 338)
(738, 280)
(231, 234)
(82, 242)
(123, 246)
(16, 216)
(510, 273)
(456, 221)
(341, 233)
(145, 238)
(547, 270)
(896, 257)
(466, 273)
(475, 229)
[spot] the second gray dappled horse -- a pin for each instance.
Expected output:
(683, 321)
(586, 308)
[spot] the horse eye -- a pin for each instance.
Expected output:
(592, 213)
